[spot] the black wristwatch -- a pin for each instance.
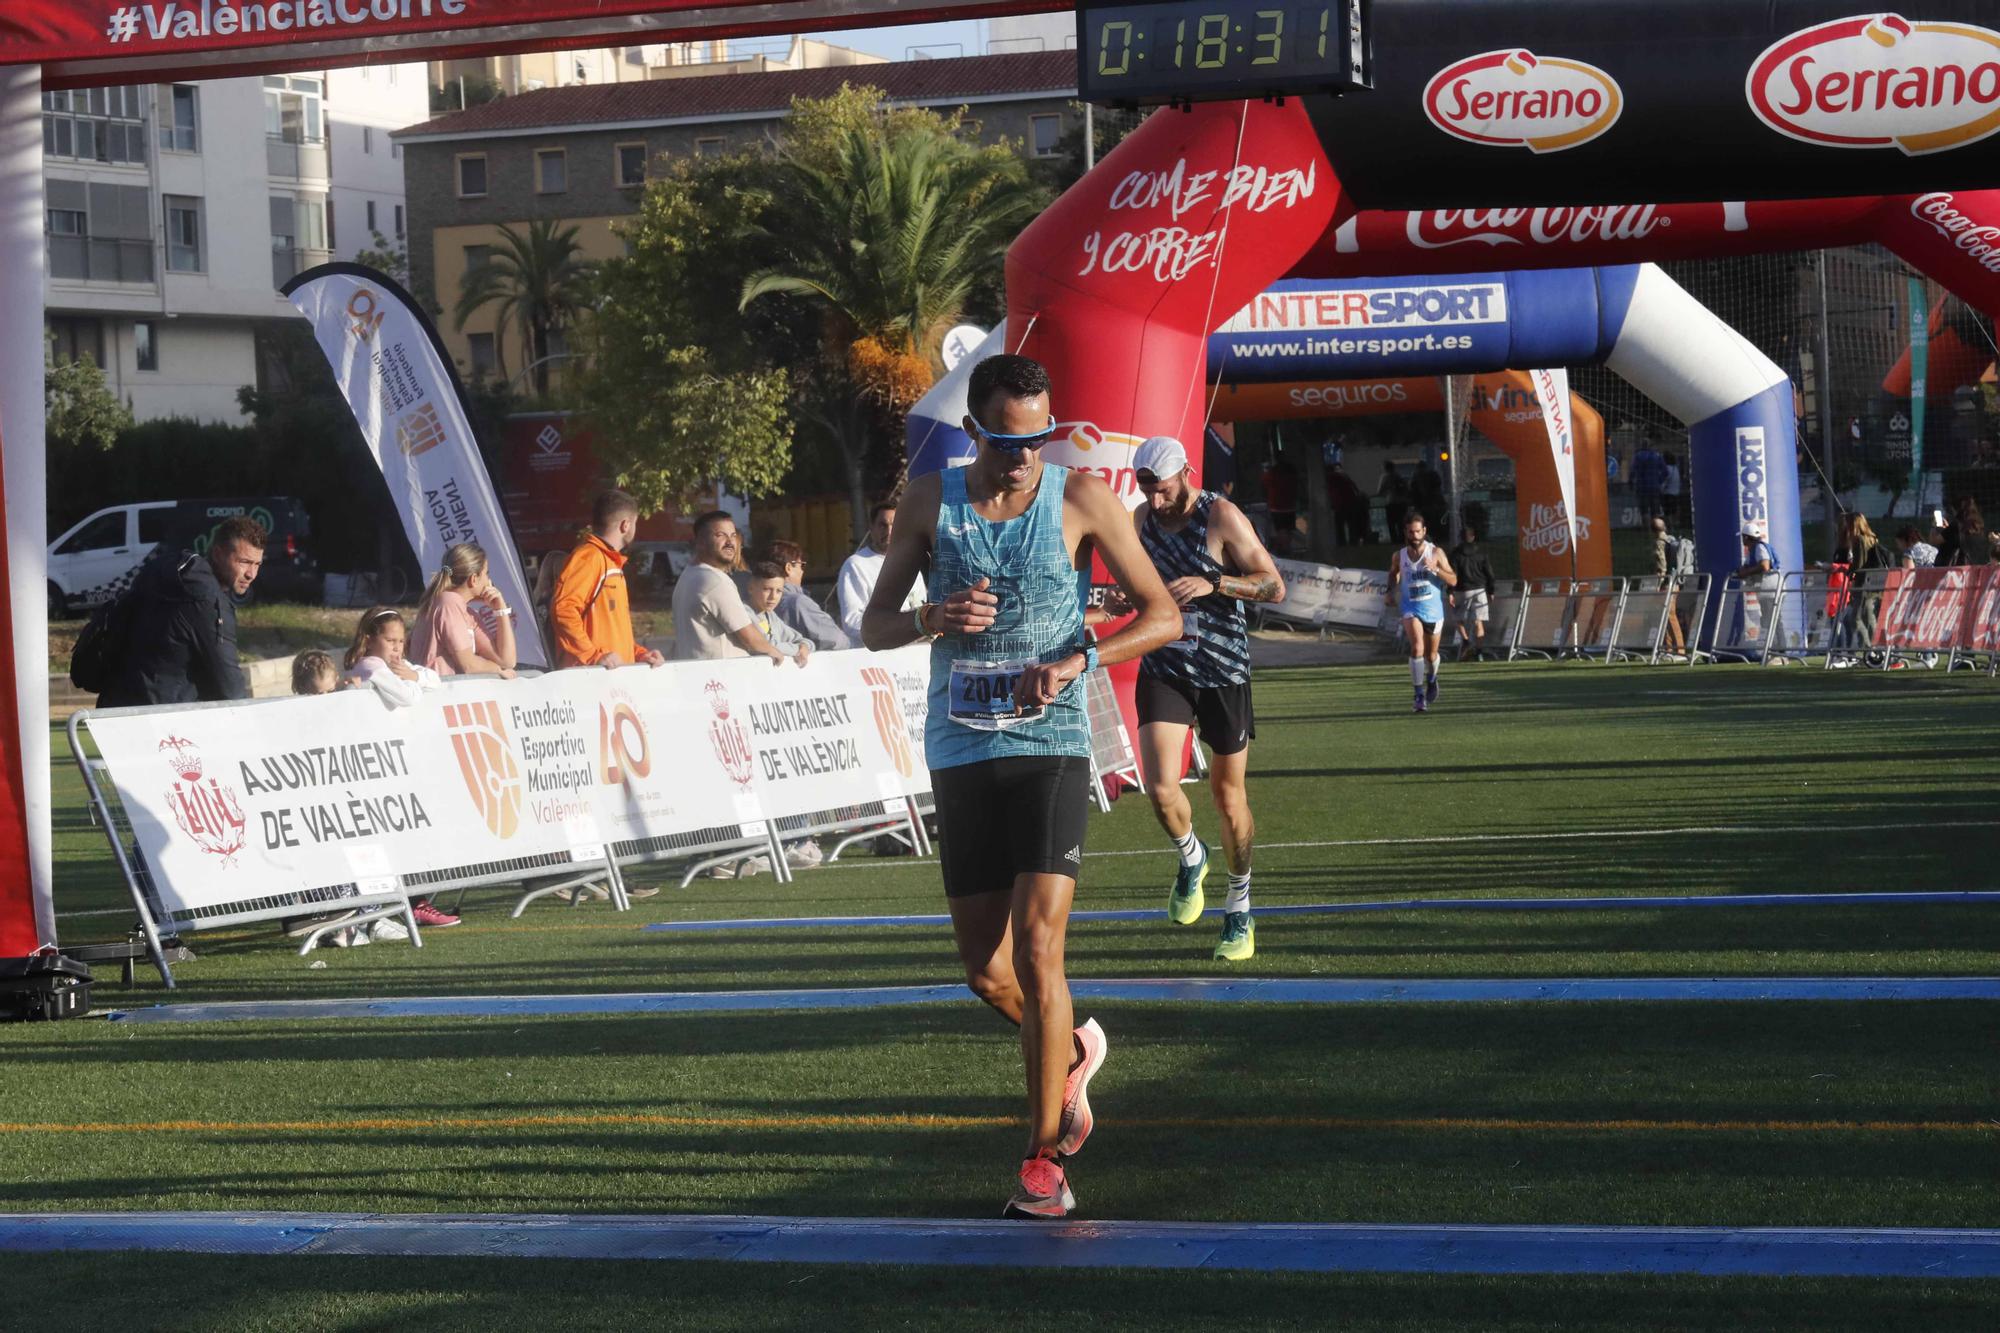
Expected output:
(1216, 578)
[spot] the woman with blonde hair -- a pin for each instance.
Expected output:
(448, 637)
(1860, 550)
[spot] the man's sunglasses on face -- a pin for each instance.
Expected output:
(1016, 443)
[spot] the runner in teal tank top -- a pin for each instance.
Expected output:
(1006, 543)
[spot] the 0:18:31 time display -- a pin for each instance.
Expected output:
(1237, 43)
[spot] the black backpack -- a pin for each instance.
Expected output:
(101, 646)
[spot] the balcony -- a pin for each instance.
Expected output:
(97, 259)
(285, 159)
(288, 262)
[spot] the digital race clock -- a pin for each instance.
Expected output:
(1181, 51)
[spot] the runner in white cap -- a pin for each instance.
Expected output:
(1212, 562)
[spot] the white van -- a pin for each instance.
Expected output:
(95, 560)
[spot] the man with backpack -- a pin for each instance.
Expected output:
(171, 639)
(1673, 560)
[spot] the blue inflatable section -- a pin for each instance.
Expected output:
(1377, 328)
(1747, 476)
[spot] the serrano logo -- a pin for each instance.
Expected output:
(207, 812)
(726, 734)
(889, 718)
(486, 761)
(1083, 446)
(1881, 81)
(1516, 99)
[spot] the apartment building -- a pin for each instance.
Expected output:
(581, 155)
(175, 211)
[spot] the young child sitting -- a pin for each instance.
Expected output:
(766, 586)
(314, 672)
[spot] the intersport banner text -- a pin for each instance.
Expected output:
(276, 796)
(386, 361)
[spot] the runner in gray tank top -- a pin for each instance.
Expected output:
(1209, 555)
(1007, 543)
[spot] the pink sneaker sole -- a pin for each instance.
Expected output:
(1077, 1121)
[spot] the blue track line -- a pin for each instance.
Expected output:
(1933, 1254)
(1599, 904)
(1184, 990)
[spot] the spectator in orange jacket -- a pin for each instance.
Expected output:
(591, 612)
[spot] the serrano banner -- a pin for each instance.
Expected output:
(1573, 101)
(392, 369)
(282, 795)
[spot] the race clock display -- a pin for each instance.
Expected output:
(1183, 51)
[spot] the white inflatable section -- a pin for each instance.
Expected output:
(21, 426)
(943, 406)
(1677, 352)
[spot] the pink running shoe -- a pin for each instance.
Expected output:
(428, 915)
(1043, 1192)
(1077, 1121)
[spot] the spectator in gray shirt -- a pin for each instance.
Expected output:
(795, 606)
(710, 620)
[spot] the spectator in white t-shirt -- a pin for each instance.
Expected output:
(858, 575)
(710, 619)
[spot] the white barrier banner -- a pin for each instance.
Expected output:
(386, 360)
(1323, 595)
(245, 801)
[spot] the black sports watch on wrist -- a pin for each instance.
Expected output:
(1216, 579)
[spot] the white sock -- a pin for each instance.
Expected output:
(1239, 894)
(1433, 671)
(1189, 847)
(1417, 672)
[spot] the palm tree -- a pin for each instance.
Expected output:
(538, 280)
(890, 234)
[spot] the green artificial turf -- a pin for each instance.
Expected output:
(1707, 781)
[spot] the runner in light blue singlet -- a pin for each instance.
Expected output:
(1039, 619)
(1422, 589)
(1418, 576)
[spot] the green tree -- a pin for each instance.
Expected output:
(81, 411)
(887, 223)
(679, 390)
(388, 257)
(539, 282)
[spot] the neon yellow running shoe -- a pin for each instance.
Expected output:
(1239, 937)
(1185, 902)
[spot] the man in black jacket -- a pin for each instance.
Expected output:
(1473, 597)
(181, 644)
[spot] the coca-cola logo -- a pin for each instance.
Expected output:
(1434, 229)
(1978, 241)
(1516, 99)
(1881, 81)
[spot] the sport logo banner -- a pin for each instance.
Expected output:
(1881, 81)
(888, 711)
(486, 761)
(1516, 99)
(206, 810)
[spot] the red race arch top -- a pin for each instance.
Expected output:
(86, 42)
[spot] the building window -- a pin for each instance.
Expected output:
(630, 163)
(95, 125)
(472, 176)
(183, 234)
(1044, 133)
(367, 138)
(298, 235)
(551, 171)
(710, 147)
(399, 222)
(145, 344)
(395, 151)
(180, 130)
(99, 231)
(292, 108)
(483, 360)
(371, 217)
(476, 257)
(76, 339)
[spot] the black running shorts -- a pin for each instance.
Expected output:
(999, 818)
(1223, 714)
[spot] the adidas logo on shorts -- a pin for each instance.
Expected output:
(1074, 854)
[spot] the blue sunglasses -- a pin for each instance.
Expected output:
(1015, 443)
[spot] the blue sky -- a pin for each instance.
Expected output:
(970, 34)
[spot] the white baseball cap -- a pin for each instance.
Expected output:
(1163, 456)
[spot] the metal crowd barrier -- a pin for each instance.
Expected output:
(1567, 618)
(1111, 753)
(1749, 621)
(384, 897)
